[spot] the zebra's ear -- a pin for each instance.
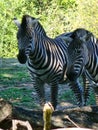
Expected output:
(28, 22)
(16, 22)
(31, 22)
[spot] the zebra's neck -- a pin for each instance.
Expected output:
(38, 35)
(92, 45)
(39, 30)
(39, 52)
(92, 64)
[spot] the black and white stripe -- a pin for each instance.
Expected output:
(84, 47)
(46, 58)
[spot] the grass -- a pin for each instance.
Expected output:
(11, 72)
(69, 96)
(14, 80)
(15, 86)
(18, 96)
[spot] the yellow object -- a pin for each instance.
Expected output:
(47, 113)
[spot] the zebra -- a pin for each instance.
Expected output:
(45, 57)
(83, 58)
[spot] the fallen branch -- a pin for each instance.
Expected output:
(15, 124)
(67, 117)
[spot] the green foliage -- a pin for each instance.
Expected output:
(56, 16)
(19, 96)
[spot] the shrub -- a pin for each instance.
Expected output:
(56, 16)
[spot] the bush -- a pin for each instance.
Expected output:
(56, 16)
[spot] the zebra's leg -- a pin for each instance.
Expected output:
(86, 88)
(39, 87)
(78, 91)
(54, 95)
(96, 94)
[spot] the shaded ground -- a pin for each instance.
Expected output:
(16, 87)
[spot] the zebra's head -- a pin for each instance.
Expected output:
(25, 37)
(77, 53)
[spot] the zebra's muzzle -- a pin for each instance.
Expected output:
(22, 58)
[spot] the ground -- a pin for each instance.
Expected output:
(16, 87)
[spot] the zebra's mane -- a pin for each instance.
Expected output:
(24, 25)
(24, 22)
(39, 28)
(92, 43)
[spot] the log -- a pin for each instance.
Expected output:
(72, 117)
(83, 117)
